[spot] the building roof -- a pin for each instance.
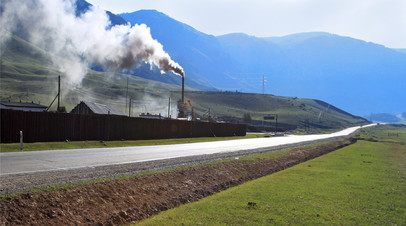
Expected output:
(151, 116)
(22, 106)
(103, 109)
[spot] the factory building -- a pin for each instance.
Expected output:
(90, 108)
(23, 106)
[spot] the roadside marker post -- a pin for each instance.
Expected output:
(21, 140)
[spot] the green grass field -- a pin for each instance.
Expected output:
(362, 184)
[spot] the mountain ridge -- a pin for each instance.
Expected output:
(317, 65)
(186, 45)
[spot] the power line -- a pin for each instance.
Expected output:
(263, 84)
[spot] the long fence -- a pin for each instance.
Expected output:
(47, 126)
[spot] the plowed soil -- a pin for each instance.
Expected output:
(124, 201)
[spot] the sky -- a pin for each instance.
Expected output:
(379, 21)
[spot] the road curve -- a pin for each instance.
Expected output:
(50, 160)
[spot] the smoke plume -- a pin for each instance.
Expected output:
(77, 41)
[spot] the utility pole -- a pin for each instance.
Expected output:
(263, 84)
(183, 90)
(126, 96)
(276, 123)
(129, 108)
(59, 93)
(58, 96)
(169, 108)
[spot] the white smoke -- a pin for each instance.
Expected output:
(75, 42)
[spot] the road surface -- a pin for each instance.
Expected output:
(42, 161)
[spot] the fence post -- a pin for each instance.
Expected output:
(21, 140)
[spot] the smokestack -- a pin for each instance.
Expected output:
(183, 89)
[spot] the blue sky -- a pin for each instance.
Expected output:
(378, 21)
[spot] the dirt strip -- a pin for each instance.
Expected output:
(125, 201)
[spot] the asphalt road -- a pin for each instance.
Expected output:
(41, 161)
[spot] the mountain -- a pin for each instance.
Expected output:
(384, 117)
(338, 69)
(401, 50)
(199, 54)
(354, 75)
(318, 65)
(26, 74)
(144, 70)
(82, 6)
(257, 58)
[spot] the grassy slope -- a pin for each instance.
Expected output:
(293, 111)
(26, 74)
(361, 184)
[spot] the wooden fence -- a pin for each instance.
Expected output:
(47, 126)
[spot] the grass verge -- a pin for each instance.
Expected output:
(360, 184)
(126, 143)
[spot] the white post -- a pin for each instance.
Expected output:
(21, 140)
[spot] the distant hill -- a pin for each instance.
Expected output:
(292, 113)
(315, 65)
(384, 117)
(387, 117)
(401, 50)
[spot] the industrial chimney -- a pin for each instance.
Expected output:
(182, 108)
(183, 89)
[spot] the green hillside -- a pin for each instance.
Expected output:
(28, 75)
(292, 112)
